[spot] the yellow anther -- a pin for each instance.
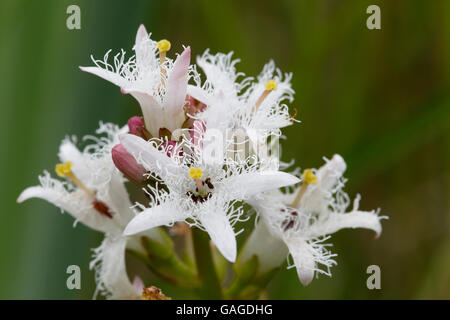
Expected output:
(63, 169)
(195, 173)
(309, 177)
(271, 85)
(163, 45)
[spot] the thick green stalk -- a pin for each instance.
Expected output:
(210, 286)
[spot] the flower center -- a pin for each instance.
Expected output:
(200, 195)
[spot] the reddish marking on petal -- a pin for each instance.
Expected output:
(102, 208)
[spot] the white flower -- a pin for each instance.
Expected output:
(203, 195)
(241, 104)
(304, 219)
(95, 196)
(155, 81)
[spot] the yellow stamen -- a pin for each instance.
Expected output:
(64, 170)
(163, 47)
(270, 86)
(308, 178)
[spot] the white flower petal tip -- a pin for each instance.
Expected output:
(133, 227)
(221, 233)
(141, 34)
(28, 193)
(338, 163)
(305, 276)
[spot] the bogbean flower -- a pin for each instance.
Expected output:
(300, 222)
(244, 103)
(154, 80)
(95, 195)
(202, 194)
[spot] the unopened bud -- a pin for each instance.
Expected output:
(126, 164)
(134, 123)
(136, 126)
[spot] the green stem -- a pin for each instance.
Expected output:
(210, 288)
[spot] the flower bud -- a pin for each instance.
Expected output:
(134, 123)
(136, 126)
(126, 164)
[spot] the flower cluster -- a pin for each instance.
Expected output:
(198, 154)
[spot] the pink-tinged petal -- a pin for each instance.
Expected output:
(141, 34)
(138, 284)
(128, 165)
(218, 226)
(151, 110)
(177, 84)
(151, 158)
(249, 184)
(141, 37)
(160, 215)
(107, 75)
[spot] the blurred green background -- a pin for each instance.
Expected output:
(380, 98)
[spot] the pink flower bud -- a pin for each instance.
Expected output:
(134, 123)
(126, 164)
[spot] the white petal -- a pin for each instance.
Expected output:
(252, 183)
(176, 88)
(110, 76)
(303, 255)
(77, 204)
(151, 158)
(141, 36)
(355, 219)
(199, 94)
(68, 152)
(111, 274)
(151, 110)
(270, 250)
(329, 174)
(218, 226)
(117, 199)
(220, 74)
(160, 215)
